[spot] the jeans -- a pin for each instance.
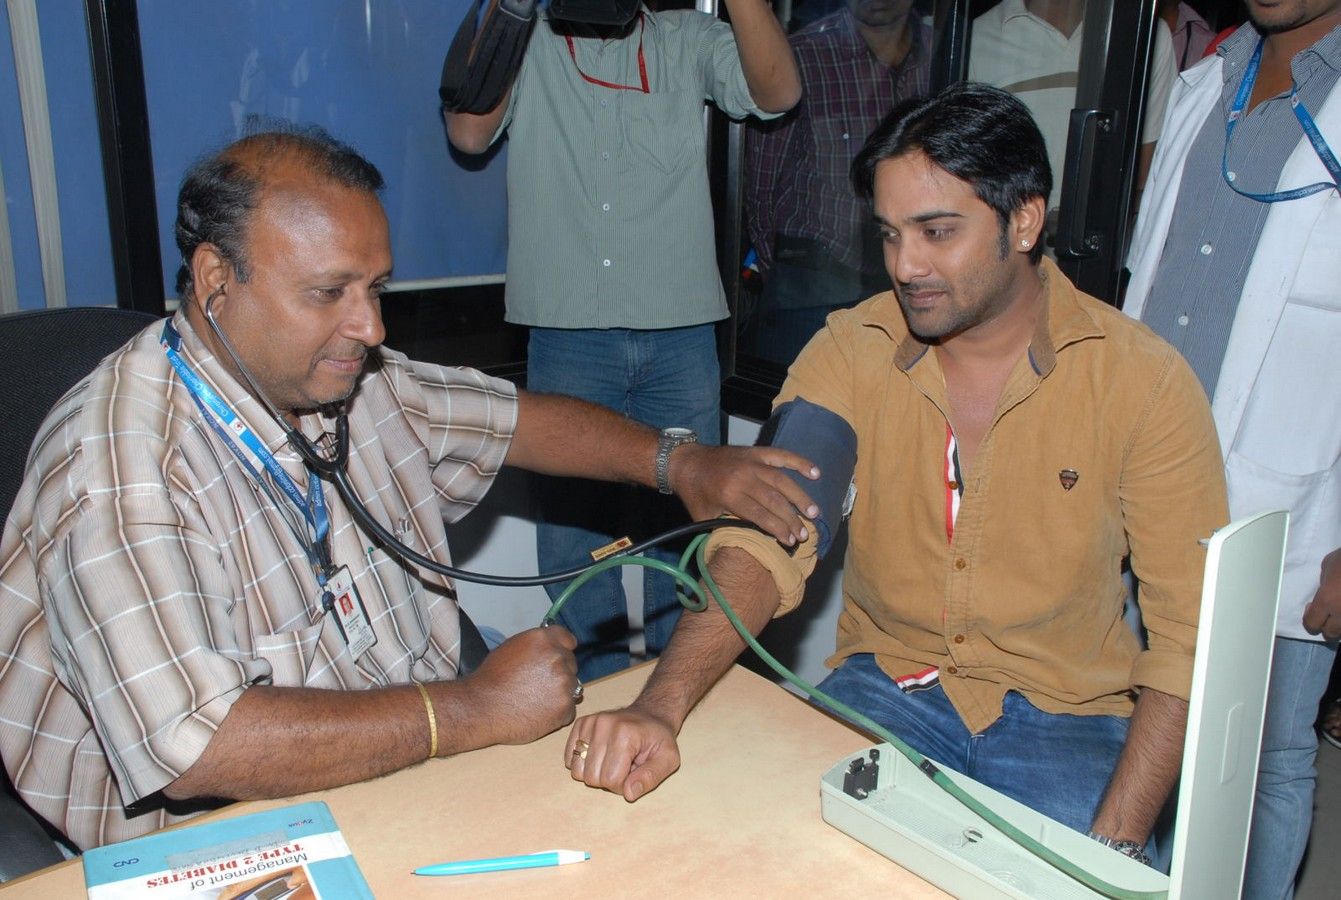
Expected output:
(660, 378)
(1054, 763)
(1286, 777)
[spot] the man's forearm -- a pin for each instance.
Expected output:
(276, 742)
(765, 56)
(705, 644)
(1147, 768)
(559, 435)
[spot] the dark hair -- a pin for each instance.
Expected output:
(220, 191)
(977, 133)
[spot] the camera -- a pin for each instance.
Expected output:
(595, 12)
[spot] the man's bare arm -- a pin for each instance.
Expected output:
(1146, 770)
(276, 742)
(765, 56)
(631, 751)
(559, 435)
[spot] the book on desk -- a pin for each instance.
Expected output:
(291, 853)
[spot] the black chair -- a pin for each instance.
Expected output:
(45, 353)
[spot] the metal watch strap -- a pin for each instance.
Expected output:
(1127, 848)
(668, 440)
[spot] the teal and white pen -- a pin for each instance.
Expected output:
(505, 863)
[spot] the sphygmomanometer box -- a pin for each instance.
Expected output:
(905, 816)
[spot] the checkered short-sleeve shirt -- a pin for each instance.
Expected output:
(146, 580)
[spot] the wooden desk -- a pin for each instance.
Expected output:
(740, 819)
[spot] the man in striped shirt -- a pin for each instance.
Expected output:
(185, 614)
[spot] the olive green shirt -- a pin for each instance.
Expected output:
(1027, 595)
(609, 217)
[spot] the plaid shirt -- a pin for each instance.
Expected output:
(797, 179)
(146, 580)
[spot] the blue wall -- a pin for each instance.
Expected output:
(365, 71)
(89, 279)
(81, 197)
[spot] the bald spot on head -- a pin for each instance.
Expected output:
(221, 192)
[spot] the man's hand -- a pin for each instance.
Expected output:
(1323, 614)
(626, 751)
(525, 686)
(747, 482)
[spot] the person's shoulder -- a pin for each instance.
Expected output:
(824, 30)
(1118, 325)
(992, 18)
(393, 375)
(681, 19)
(131, 385)
(1130, 345)
(114, 425)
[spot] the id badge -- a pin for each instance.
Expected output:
(342, 599)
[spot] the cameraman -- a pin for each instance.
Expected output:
(611, 256)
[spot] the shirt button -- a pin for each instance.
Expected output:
(605, 102)
(1231, 175)
(961, 564)
(605, 154)
(959, 639)
(1183, 320)
(844, 135)
(1206, 249)
(951, 670)
(606, 263)
(605, 206)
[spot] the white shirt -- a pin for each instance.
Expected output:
(1019, 52)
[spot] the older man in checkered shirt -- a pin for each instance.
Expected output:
(167, 633)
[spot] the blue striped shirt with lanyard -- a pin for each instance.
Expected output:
(1306, 122)
(1224, 197)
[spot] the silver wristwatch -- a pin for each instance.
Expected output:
(1126, 848)
(668, 440)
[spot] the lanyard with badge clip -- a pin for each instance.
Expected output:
(1306, 122)
(642, 65)
(335, 583)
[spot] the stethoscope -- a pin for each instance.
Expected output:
(331, 466)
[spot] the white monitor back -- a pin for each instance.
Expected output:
(1228, 700)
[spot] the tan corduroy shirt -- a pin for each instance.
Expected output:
(1028, 594)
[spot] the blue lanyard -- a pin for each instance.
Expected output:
(1305, 121)
(228, 425)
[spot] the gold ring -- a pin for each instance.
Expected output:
(580, 749)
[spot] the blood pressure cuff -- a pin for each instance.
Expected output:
(828, 441)
(478, 71)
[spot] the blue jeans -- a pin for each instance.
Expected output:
(660, 378)
(1286, 777)
(1056, 764)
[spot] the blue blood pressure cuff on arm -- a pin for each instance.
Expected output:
(827, 440)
